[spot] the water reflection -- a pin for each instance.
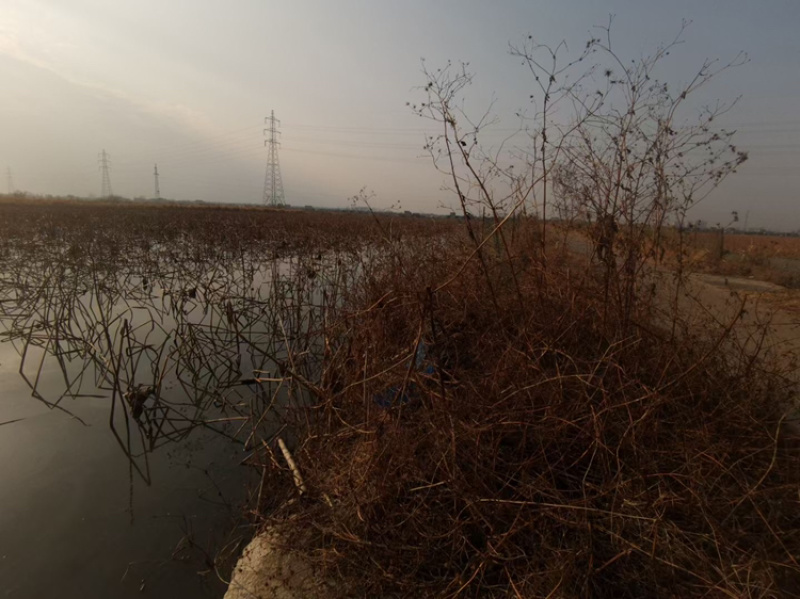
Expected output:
(187, 355)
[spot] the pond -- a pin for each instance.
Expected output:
(138, 389)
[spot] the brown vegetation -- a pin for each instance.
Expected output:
(498, 418)
(472, 409)
(476, 428)
(539, 448)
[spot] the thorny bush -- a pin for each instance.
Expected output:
(539, 449)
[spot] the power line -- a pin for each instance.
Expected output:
(211, 143)
(218, 139)
(105, 183)
(273, 184)
(358, 157)
(353, 136)
(393, 145)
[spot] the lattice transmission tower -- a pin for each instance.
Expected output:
(273, 184)
(105, 183)
(155, 174)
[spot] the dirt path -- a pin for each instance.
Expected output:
(765, 304)
(717, 298)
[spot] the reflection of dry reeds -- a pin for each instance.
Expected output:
(183, 316)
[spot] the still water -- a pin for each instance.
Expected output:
(77, 516)
(66, 525)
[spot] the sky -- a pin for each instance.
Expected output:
(187, 84)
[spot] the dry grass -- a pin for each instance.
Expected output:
(482, 426)
(542, 447)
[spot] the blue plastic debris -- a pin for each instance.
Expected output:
(389, 397)
(392, 396)
(422, 354)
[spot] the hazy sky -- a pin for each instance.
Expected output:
(187, 84)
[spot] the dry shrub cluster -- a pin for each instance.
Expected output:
(508, 436)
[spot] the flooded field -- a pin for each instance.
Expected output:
(142, 361)
(472, 416)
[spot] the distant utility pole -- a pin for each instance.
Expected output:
(10, 181)
(105, 164)
(273, 184)
(158, 191)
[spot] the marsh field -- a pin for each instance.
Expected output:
(141, 359)
(474, 408)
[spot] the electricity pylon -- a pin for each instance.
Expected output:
(105, 185)
(155, 174)
(273, 184)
